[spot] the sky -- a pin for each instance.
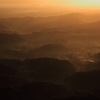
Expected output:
(65, 3)
(52, 2)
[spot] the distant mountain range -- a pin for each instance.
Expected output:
(69, 23)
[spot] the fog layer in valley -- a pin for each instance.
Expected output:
(49, 56)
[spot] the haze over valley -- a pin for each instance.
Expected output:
(49, 50)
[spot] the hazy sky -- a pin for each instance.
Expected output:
(51, 2)
(71, 3)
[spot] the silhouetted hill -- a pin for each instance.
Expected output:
(50, 69)
(11, 81)
(35, 90)
(52, 48)
(10, 39)
(84, 81)
(49, 50)
(89, 28)
(92, 66)
(46, 78)
(71, 23)
(3, 27)
(29, 24)
(41, 69)
(96, 56)
(85, 96)
(6, 70)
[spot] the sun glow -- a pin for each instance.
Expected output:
(79, 3)
(86, 2)
(64, 3)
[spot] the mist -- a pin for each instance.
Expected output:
(49, 50)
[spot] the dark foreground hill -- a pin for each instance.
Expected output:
(46, 79)
(40, 69)
(34, 91)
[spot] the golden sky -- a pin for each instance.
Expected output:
(72, 3)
